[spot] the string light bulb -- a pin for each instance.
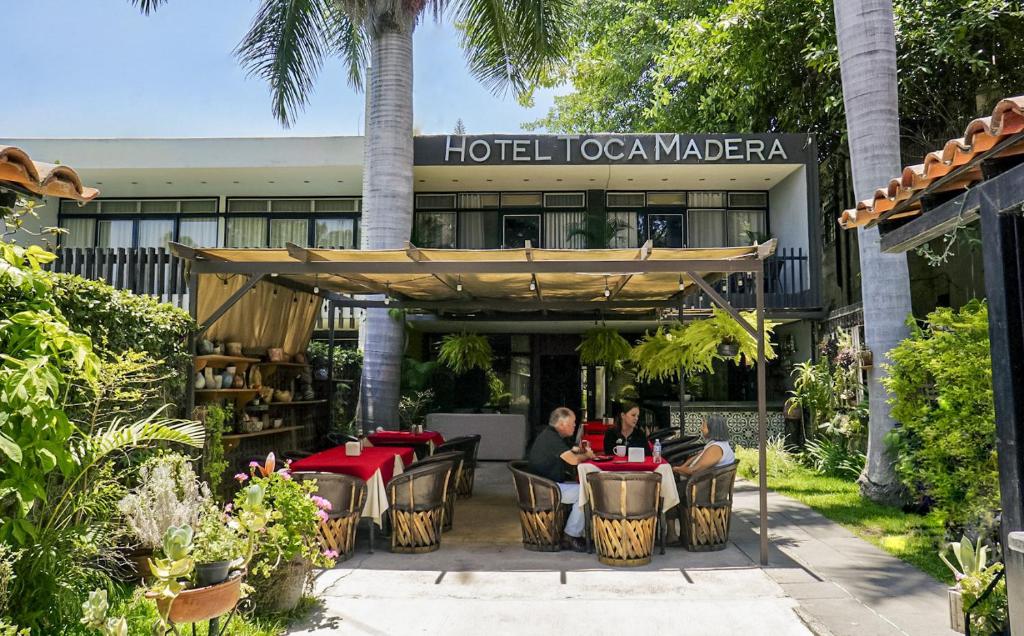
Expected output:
(458, 286)
(682, 285)
(533, 285)
(607, 292)
(316, 290)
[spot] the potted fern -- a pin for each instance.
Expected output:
(465, 351)
(604, 346)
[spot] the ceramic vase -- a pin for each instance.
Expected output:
(200, 381)
(228, 378)
(218, 381)
(239, 381)
(208, 376)
(255, 377)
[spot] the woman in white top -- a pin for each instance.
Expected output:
(717, 451)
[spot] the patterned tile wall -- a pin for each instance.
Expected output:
(742, 424)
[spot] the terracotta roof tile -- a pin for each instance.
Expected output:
(981, 135)
(48, 179)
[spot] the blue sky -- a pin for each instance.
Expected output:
(101, 69)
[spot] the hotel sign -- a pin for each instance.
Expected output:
(661, 148)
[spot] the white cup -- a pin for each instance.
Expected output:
(620, 451)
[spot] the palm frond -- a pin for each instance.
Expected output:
(286, 46)
(120, 436)
(147, 6)
(348, 40)
(512, 43)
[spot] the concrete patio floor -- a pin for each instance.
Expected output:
(821, 580)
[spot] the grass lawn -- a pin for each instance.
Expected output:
(911, 537)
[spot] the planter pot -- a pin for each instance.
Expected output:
(956, 610)
(282, 591)
(867, 359)
(728, 349)
(212, 573)
(139, 561)
(202, 603)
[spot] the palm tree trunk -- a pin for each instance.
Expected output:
(387, 207)
(867, 55)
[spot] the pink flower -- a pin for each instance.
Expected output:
(331, 554)
(228, 507)
(323, 515)
(284, 474)
(320, 502)
(241, 477)
(287, 463)
(254, 464)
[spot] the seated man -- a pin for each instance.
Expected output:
(552, 458)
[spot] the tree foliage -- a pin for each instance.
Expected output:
(773, 66)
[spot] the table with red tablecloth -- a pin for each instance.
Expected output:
(669, 493)
(427, 440)
(595, 427)
(374, 465)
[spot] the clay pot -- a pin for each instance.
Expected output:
(202, 603)
(234, 348)
(267, 393)
(299, 357)
(728, 349)
(282, 396)
(212, 573)
(204, 348)
(238, 382)
(200, 381)
(283, 589)
(275, 354)
(255, 377)
(218, 348)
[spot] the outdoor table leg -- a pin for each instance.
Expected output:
(661, 524)
(371, 535)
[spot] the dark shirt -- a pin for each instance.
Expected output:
(545, 456)
(636, 439)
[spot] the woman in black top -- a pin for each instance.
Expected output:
(625, 432)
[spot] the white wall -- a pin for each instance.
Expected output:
(790, 218)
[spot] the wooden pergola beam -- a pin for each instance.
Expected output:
(642, 255)
(417, 255)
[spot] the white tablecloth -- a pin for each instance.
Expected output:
(669, 493)
(377, 493)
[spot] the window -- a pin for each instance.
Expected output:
(114, 233)
(565, 230)
(291, 205)
(520, 228)
(435, 229)
(705, 199)
(199, 206)
(665, 230)
(284, 231)
(248, 205)
(478, 200)
(119, 207)
(336, 205)
(435, 201)
(521, 199)
(626, 199)
(666, 198)
(479, 230)
(155, 232)
(80, 232)
(246, 232)
(198, 232)
(746, 227)
(748, 199)
(336, 233)
(622, 229)
(159, 207)
(565, 200)
(705, 228)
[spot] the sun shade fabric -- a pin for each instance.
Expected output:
(639, 286)
(46, 179)
(261, 318)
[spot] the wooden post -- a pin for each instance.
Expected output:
(762, 414)
(330, 364)
(193, 310)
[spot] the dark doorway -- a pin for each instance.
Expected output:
(559, 382)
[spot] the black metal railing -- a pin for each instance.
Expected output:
(787, 285)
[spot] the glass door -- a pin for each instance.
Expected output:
(520, 228)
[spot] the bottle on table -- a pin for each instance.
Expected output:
(657, 451)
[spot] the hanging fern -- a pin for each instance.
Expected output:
(465, 351)
(693, 347)
(604, 346)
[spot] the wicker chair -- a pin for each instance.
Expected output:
(625, 516)
(541, 512)
(416, 507)
(705, 508)
(347, 496)
(457, 459)
(468, 446)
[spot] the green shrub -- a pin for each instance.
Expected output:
(941, 382)
(118, 321)
(832, 456)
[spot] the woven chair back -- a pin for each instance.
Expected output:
(468, 445)
(624, 495)
(712, 488)
(533, 492)
(456, 457)
(346, 494)
(420, 487)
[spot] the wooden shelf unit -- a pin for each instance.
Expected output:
(231, 441)
(220, 362)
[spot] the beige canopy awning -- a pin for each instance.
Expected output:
(514, 279)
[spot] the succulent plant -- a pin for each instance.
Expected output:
(94, 610)
(972, 559)
(177, 542)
